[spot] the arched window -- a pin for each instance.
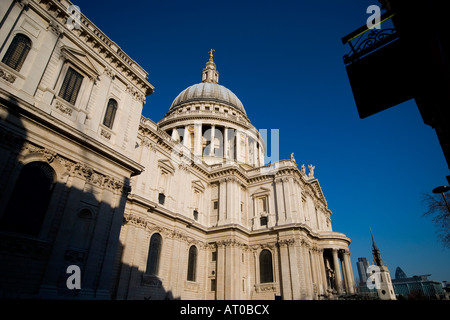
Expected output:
(265, 266)
(110, 113)
(17, 52)
(154, 252)
(192, 263)
(29, 201)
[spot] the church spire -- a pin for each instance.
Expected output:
(376, 252)
(374, 245)
(210, 74)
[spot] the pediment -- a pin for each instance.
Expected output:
(261, 191)
(81, 60)
(197, 184)
(318, 190)
(166, 165)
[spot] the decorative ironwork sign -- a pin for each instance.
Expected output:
(369, 42)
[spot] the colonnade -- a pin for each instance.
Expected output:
(209, 140)
(322, 272)
(338, 279)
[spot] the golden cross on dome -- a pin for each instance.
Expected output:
(211, 54)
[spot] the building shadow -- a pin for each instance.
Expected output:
(130, 283)
(57, 213)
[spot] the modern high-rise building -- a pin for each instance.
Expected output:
(362, 266)
(399, 273)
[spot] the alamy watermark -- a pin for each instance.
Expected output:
(373, 22)
(374, 279)
(74, 20)
(74, 280)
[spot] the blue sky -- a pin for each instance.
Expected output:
(283, 59)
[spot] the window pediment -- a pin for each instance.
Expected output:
(81, 60)
(262, 191)
(198, 185)
(166, 165)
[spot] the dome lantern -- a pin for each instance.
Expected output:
(209, 73)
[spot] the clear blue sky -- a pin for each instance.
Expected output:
(283, 59)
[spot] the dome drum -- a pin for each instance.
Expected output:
(217, 143)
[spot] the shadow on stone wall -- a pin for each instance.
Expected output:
(47, 223)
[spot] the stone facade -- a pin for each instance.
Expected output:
(183, 208)
(46, 128)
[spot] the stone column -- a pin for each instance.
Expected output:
(175, 135)
(345, 271)
(225, 142)
(255, 155)
(187, 138)
(315, 278)
(198, 139)
(222, 201)
(286, 285)
(296, 204)
(232, 200)
(220, 284)
(261, 156)
(238, 145)
(280, 211)
(337, 272)
(287, 199)
(212, 137)
(254, 215)
(349, 272)
(308, 271)
(323, 271)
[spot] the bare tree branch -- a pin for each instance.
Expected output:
(440, 214)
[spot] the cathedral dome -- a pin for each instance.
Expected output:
(208, 91)
(210, 121)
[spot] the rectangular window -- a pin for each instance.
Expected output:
(161, 198)
(213, 284)
(216, 205)
(263, 221)
(214, 256)
(71, 86)
(195, 215)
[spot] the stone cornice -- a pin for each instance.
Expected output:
(204, 115)
(90, 36)
(75, 169)
(34, 114)
(306, 238)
